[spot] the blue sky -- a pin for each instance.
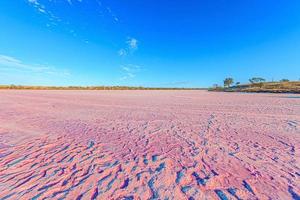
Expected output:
(155, 43)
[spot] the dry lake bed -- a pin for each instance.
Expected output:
(149, 145)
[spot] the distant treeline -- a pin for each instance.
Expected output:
(258, 84)
(22, 87)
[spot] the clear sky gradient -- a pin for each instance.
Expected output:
(158, 43)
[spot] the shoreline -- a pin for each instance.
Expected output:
(21, 87)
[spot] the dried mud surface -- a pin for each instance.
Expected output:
(148, 145)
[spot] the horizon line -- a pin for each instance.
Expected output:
(96, 87)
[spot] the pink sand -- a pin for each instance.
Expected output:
(148, 145)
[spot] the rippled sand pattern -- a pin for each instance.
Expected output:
(148, 145)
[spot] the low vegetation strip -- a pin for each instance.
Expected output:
(22, 87)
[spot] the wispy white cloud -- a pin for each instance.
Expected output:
(9, 63)
(43, 10)
(122, 52)
(131, 46)
(116, 19)
(55, 19)
(37, 5)
(130, 71)
(38, 1)
(110, 12)
(71, 1)
(33, 1)
(132, 43)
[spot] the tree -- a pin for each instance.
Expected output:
(228, 82)
(284, 80)
(215, 85)
(256, 80)
(237, 83)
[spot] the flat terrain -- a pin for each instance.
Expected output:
(148, 145)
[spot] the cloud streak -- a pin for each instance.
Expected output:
(131, 46)
(42, 9)
(132, 43)
(9, 63)
(130, 71)
(55, 19)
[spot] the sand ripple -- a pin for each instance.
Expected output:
(148, 145)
